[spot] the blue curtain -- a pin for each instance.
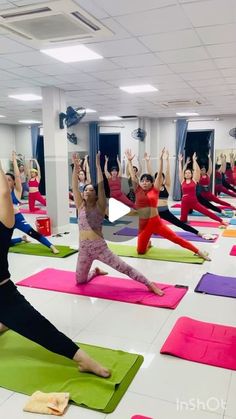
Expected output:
(181, 134)
(40, 158)
(93, 149)
(34, 139)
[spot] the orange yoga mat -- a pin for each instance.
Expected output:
(229, 233)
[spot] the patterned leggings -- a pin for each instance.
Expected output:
(97, 249)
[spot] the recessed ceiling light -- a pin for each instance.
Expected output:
(29, 121)
(72, 54)
(90, 110)
(110, 118)
(142, 88)
(2, 116)
(26, 97)
(187, 114)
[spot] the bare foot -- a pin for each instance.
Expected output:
(3, 328)
(54, 250)
(99, 271)
(25, 239)
(204, 255)
(87, 364)
(152, 287)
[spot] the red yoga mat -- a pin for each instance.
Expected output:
(206, 343)
(233, 251)
(27, 211)
(111, 288)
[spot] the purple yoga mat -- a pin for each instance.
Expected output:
(224, 286)
(133, 232)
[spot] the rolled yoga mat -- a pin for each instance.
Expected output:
(73, 220)
(111, 288)
(133, 232)
(224, 286)
(26, 367)
(205, 343)
(170, 255)
(41, 250)
(233, 251)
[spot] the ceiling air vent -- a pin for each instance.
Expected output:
(55, 21)
(181, 103)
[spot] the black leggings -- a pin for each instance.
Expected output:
(17, 314)
(208, 204)
(167, 215)
(227, 185)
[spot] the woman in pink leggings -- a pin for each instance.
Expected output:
(114, 181)
(34, 181)
(91, 206)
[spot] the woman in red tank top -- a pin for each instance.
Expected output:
(189, 179)
(147, 193)
(34, 181)
(114, 180)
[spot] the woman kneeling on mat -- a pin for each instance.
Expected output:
(91, 208)
(20, 222)
(147, 193)
(18, 314)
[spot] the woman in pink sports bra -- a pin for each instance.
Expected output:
(91, 208)
(34, 181)
(114, 181)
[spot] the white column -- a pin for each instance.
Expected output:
(56, 159)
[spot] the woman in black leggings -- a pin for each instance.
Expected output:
(17, 314)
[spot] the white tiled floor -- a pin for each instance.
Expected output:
(163, 382)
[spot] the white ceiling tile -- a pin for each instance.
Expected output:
(118, 31)
(118, 48)
(92, 85)
(93, 66)
(20, 3)
(226, 62)
(25, 72)
(212, 12)
(191, 67)
(218, 34)
(6, 64)
(5, 75)
(30, 58)
(154, 70)
(76, 78)
(93, 7)
(115, 74)
(121, 7)
(55, 69)
(171, 40)
(8, 46)
(184, 55)
(228, 72)
(141, 60)
(206, 82)
(155, 21)
(230, 80)
(223, 50)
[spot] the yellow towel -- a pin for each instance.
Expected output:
(47, 403)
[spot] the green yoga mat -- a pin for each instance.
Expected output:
(170, 255)
(41, 250)
(26, 367)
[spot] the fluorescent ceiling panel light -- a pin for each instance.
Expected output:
(72, 54)
(26, 97)
(187, 114)
(142, 88)
(90, 110)
(29, 121)
(2, 116)
(110, 118)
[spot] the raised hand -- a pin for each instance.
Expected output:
(167, 155)
(13, 155)
(162, 153)
(106, 159)
(129, 154)
(194, 156)
(146, 156)
(98, 156)
(188, 160)
(180, 157)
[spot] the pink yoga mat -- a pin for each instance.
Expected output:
(206, 343)
(111, 288)
(233, 251)
(27, 211)
(140, 417)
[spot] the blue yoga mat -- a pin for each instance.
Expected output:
(224, 286)
(233, 221)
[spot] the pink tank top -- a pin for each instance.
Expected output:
(33, 183)
(90, 219)
(115, 185)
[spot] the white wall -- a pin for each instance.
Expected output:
(82, 133)
(23, 141)
(7, 144)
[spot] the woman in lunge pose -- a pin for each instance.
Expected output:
(147, 193)
(34, 181)
(18, 314)
(91, 208)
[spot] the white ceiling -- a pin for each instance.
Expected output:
(185, 48)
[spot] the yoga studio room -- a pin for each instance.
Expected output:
(118, 209)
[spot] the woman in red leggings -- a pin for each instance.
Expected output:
(114, 181)
(204, 183)
(34, 181)
(219, 178)
(147, 193)
(189, 180)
